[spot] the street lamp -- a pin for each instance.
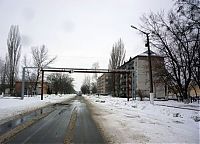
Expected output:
(150, 67)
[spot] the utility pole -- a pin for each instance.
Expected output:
(23, 81)
(150, 66)
(42, 84)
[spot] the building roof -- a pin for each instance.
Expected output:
(144, 54)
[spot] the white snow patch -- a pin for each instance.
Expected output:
(12, 106)
(142, 122)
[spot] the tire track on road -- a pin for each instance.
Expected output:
(71, 127)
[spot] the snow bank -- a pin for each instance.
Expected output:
(12, 106)
(141, 122)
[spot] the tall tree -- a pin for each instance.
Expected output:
(94, 88)
(2, 76)
(95, 66)
(177, 39)
(85, 87)
(14, 51)
(191, 10)
(117, 57)
(40, 60)
(94, 78)
(60, 83)
(30, 75)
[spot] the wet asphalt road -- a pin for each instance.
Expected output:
(70, 122)
(85, 130)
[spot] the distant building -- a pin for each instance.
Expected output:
(103, 84)
(29, 88)
(194, 90)
(4, 88)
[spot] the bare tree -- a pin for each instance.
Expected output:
(2, 76)
(14, 52)
(6, 69)
(117, 57)
(30, 76)
(94, 88)
(85, 87)
(191, 10)
(40, 60)
(177, 39)
(94, 78)
(1, 64)
(196, 68)
(95, 66)
(60, 83)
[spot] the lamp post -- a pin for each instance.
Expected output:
(150, 67)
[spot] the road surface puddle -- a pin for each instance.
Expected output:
(5, 127)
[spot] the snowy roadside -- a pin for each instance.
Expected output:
(12, 106)
(141, 122)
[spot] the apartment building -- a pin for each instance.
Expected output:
(137, 82)
(139, 78)
(103, 84)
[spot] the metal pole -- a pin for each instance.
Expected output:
(42, 84)
(23, 79)
(150, 67)
(150, 71)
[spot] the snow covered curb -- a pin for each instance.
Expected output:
(12, 106)
(141, 122)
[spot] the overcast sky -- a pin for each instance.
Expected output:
(78, 32)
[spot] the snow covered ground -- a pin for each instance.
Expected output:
(12, 106)
(141, 122)
(122, 121)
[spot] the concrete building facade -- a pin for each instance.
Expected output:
(103, 84)
(141, 83)
(137, 83)
(29, 88)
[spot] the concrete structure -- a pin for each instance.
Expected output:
(137, 83)
(103, 84)
(139, 79)
(126, 81)
(29, 88)
(195, 91)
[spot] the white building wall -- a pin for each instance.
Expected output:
(142, 78)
